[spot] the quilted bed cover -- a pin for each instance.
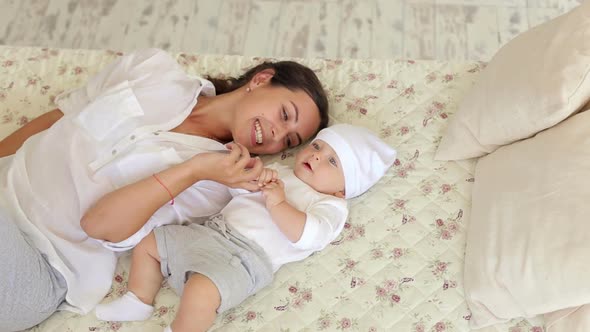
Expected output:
(398, 264)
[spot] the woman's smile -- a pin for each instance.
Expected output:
(258, 132)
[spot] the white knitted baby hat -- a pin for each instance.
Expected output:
(364, 157)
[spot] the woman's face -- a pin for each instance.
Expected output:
(270, 119)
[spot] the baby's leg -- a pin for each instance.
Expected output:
(145, 279)
(198, 305)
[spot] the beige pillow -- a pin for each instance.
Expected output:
(528, 243)
(534, 82)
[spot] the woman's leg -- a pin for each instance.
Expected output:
(198, 305)
(31, 289)
(145, 280)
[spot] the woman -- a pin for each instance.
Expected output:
(138, 116)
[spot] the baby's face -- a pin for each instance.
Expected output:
(319, 167)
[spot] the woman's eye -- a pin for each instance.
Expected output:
(289, 142)
(285, 115)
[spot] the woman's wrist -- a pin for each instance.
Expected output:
(197, 171)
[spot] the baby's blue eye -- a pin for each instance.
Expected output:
(333, 162)
(315, 146)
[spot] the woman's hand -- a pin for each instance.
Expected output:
(235, 169)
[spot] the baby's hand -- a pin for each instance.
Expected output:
(274, 192)
(266, 176)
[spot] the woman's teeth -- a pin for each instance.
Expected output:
(258, 132)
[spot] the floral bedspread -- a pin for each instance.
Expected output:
(397, 265)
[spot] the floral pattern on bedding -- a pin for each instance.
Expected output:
(397, 266)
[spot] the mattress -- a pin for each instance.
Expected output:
(398, 264)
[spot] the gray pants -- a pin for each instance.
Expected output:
(30, 289)
(237, 266)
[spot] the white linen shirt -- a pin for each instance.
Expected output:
(114, 131)
(325, 219)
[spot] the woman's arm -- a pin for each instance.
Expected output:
(14, 141)
(132, 67)
(121, 213)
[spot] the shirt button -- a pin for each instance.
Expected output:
(156, 133)
(132, 137)
(114, 152)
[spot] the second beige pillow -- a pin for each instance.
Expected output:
(528, 241)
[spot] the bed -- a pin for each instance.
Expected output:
(398, 264)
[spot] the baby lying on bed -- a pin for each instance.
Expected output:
(218, 265)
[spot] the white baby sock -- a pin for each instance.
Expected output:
(124, 309)
(167, 329)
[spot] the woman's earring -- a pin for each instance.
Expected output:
(248, 89)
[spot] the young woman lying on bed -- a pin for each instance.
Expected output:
(63, 176)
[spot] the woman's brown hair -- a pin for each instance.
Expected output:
(288, 74)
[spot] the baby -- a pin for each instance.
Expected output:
(217, 265)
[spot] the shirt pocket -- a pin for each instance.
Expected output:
(110, 113)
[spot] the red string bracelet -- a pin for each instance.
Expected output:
(163, 185)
